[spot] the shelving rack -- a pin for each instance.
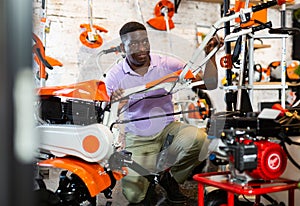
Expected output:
(251, 85)
(282, 86)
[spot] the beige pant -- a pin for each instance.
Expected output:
(183, 156)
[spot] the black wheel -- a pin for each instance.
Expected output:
(219, 198)
(216, 198)
(46, 197)
(43, 196)
(73, 192)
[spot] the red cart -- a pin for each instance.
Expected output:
(220, 180)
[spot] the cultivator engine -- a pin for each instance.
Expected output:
(252, 147)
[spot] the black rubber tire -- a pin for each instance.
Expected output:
(218, 197)
(215, 198)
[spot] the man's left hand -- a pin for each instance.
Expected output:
(213, 42)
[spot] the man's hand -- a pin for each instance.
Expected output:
(117, 96)
(210, 75)
(213, 42)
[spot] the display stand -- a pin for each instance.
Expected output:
(282, 34)
(221, 180)
(251, 84)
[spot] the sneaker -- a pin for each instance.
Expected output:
(172, 189)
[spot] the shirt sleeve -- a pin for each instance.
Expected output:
(173, 64)
(111, 81)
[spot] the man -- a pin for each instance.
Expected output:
(145, 138)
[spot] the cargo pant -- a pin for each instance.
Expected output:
(188, 149)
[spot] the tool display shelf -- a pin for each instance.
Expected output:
(257, 188)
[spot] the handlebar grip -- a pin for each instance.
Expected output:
(264, 5)
(262, 26)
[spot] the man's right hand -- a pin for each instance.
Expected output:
(117, 96)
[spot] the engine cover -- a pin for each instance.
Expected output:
(54, 110)
(271, 161)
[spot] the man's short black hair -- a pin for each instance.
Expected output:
(131, 27)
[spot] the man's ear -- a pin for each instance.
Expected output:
(122, 48)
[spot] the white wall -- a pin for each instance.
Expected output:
(66, 16)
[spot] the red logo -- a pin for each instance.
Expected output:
(274, 161)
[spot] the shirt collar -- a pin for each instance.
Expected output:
(128, 70)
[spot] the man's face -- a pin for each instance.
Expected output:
(137, 47)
